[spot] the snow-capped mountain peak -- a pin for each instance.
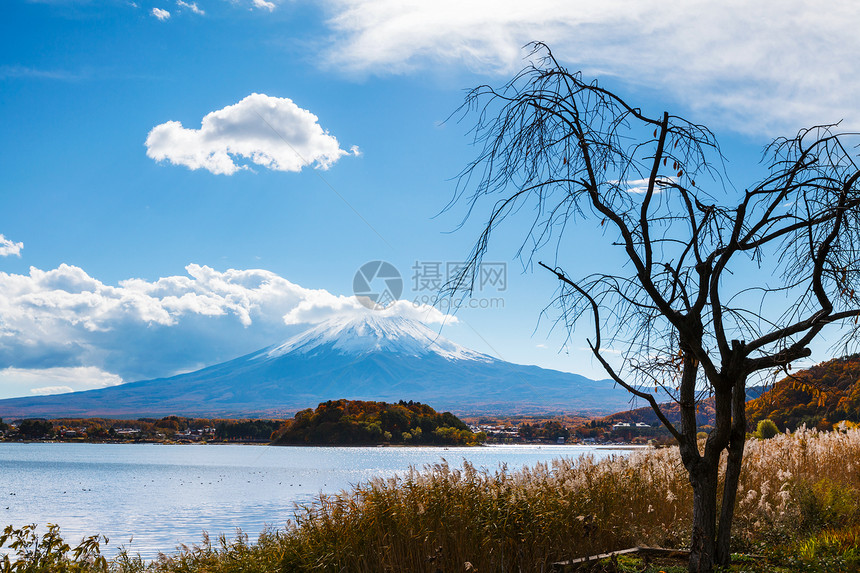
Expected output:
(375, 358)
(373, 332)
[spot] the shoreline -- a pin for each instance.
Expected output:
(601, 446)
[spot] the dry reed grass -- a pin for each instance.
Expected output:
(524, 520)
(795, 489)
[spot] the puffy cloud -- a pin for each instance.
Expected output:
(268, 131)
(160, 14)
(769, 66)
(62, 327)
(8, 247)
(191, 6)
(322, 305)
(69, 304)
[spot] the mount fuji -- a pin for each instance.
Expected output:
(370, 358)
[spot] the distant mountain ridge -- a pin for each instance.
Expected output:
(818, 396)
(370, 358)
(672, 411)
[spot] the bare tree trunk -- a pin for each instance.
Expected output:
(733, 473)
(704, 481)
(702, 471)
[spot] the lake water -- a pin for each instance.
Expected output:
(151, 497)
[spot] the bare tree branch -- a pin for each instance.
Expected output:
(716, 287)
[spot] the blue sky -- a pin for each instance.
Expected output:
(154, 216)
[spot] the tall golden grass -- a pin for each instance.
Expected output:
(445, 519)
(441, 518)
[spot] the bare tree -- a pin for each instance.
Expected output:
(712, 292)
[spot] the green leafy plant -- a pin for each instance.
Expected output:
(766, 429)
(32, 553)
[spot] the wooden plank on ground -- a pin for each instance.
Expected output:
(574, 564)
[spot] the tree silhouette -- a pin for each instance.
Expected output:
(717, 286)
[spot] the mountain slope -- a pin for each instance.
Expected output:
(672, 411)
(819, 396)
(372, 358)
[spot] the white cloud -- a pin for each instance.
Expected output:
(264, 5)
(11, 72)
(161, 14)
(47, 390)
(41, 381)
(62, 327)
(268, 131)
(640, 186)
(772, 65)
(191, 6)
(8, 247)
(322, 305)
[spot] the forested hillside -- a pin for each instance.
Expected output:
(339, 422)
(819, 396)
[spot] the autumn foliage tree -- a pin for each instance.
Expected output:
(717, 286)
(364, 422)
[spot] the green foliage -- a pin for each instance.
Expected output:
(27, 552)
(829, 550)
(360, 422)
(35, 428)
(766, 429)
(826, 504)
(550, 430)
(247, 430)
(274, 552)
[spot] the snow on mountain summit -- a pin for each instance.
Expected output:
(374, 333)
